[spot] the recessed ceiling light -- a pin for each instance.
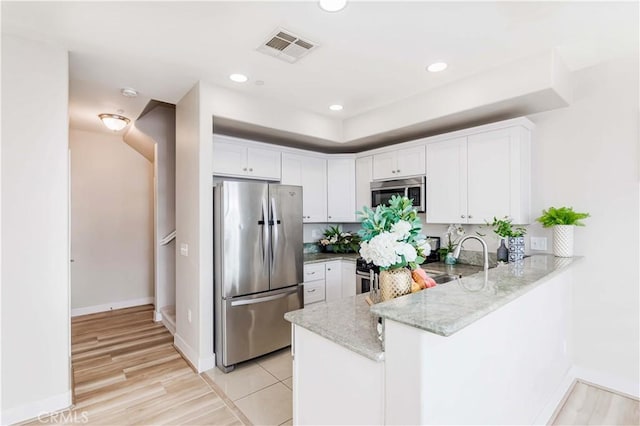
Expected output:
(114, 122)
(437, 67)
(238, 78)
(332, 5)
(129, 92)
(335, 107)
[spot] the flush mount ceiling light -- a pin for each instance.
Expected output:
(336, 107)
(332, 5)
(437, 67)
(128, 92)
(114, 122)
(238, 78)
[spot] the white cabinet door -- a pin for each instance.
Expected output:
(341, 190)
(364, 176)
(410, 161)
(311, 174)
(229, 159)
(384, 165)
(447, 181)
(489, 180)
(314, 291)
(348, 278)
(333, 280)
(263, 163)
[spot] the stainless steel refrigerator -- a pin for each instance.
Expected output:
(257, 268)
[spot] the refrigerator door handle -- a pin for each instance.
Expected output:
(274, 222)
(263, 299)
(265, 233)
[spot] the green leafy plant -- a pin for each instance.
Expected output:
(454, 233)
(391, 235)
(503, 228)
(341, 242)
(561, 216)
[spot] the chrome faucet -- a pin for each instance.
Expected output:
(485, 251)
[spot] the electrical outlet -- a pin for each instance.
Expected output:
(538, 243)
(189, 315)
(184, 249)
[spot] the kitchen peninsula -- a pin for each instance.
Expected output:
(489, 348)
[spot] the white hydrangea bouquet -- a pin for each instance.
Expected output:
(391, 235)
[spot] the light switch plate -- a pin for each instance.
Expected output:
(184, 249)
(538, 243)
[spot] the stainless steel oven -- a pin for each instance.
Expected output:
(364, 275)
(413, 188)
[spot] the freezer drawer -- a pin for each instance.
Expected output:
(255, 325)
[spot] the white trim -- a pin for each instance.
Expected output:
(606, 380)
(546, 415)
(110, 306)
(157, 316)
(34, 409)
(201, 364)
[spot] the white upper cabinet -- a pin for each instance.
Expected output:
(364, 176)
(341, 190)
(471, 179)
(232, 158)
(310, 173)
(399, 163)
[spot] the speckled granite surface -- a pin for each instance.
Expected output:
(347, 322)
(450, 307)
(326, 257)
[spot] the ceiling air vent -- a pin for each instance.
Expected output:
(285, 45)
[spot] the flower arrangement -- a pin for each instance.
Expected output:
(391, 236)
(455, 231)
(340, 242)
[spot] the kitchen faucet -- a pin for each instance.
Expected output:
(485, 251)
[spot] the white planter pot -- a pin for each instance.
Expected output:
(563, 240)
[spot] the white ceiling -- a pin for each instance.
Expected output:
(371, 54)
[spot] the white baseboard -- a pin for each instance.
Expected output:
(110, 306)
(545, 416)
(169, 325)
(200, 364)
(35, 409)
(157, 316)
(606, 380)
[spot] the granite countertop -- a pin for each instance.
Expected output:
(347, 322)
(326, 257)
(452, 306)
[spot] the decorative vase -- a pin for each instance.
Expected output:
(563, 240)
(449, 259)
(395, 283)
(503, 253)
(516, 249)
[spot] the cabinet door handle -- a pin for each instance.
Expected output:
(251, 169)
(462, 216)
(311, 273)
(393, 171)
(398, 170)
(311, 291)
(244, 169)
(328, 269)
(470, 216)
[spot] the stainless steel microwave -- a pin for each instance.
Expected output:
(413, 188)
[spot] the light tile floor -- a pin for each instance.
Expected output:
(260, 388)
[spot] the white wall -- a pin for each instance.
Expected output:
(160, 125)
(586, 156)
(35, 240)
(111, 223)
(194, 227)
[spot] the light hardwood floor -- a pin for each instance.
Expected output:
(591, 405)
(126, 371)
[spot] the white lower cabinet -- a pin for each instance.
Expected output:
(333, 280)
(329, 281)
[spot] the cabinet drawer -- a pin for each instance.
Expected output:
(313, 272)
(313, 292)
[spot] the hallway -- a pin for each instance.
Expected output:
(126, 371)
